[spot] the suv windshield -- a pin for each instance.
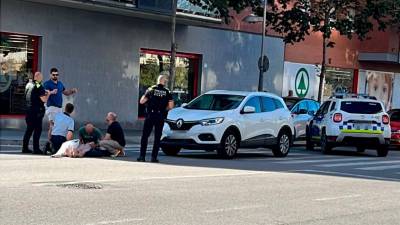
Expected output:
(361, 107)
(215, 102)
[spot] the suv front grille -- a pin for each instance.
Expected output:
(186, 125)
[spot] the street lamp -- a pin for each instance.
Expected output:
(263, 62)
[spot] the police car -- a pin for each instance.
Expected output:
(352, 120)
(226, 120)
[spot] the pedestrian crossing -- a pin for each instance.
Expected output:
(295, 160)
(389, 165)
(360, 163)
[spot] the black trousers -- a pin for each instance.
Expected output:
(57, 141)
(97, 153)
(33, 125)
(155, 120)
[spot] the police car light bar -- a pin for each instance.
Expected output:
(352, 95)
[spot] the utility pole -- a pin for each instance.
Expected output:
(173, 47)
(261, 64)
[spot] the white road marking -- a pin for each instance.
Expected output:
(375, 168)
(346, 174)
(319, 160)
(360, 163)
(234, 209)
(336, 198)
(115, 221)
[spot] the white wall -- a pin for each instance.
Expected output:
(289, 79)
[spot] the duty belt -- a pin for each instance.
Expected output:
(155, 111)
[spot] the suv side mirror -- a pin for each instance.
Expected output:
(184, 104)
(249, 109)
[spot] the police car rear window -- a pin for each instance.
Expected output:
(361, 107)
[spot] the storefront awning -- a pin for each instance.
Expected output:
(379, 57)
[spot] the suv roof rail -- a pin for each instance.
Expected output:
(352, 95)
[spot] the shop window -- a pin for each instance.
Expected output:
(183, 86)
(338, 81)
(18, 61)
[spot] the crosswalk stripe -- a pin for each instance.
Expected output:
(319, 160)
(375, 168)
(360, 163)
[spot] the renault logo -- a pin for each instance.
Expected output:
(179, 123)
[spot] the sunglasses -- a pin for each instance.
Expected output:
(55, 74)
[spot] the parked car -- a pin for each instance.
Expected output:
(394, 115)
(351, 120)
(226, 120)
(303, 111)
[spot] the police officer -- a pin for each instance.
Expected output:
(36, 96)
(158, 100)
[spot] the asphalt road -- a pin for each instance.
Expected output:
(198, 188)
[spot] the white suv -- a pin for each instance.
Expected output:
(351, 120)
(225, 120)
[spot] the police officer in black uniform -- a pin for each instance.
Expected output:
(36, 96)
(158, 100)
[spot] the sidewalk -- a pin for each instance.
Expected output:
(14, 137)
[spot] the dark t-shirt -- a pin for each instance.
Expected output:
(158, 97)
(36, 104)
(95, 136)
(116, 132)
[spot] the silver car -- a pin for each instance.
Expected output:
(303, 110)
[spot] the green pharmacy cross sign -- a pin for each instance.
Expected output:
(302, 83)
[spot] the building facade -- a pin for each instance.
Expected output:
(365, 67)
(112, 50)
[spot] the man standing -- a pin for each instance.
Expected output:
(36, 96)
(158, 100)
(55, 102)
(63, 129)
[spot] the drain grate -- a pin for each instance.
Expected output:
(81, 185)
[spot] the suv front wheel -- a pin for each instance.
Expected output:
(282, 147)
(171, 151)
(229, 145)
(326, 147)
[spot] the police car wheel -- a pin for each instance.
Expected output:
(228, 146)
(309, 143)
(281, 149)
(171, 151)
(360, 149)
(383, 150)
(326, 148)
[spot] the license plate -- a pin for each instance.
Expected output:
(362, 126)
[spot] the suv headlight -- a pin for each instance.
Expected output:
(212, 121)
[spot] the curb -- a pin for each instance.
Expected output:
(130, 141)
